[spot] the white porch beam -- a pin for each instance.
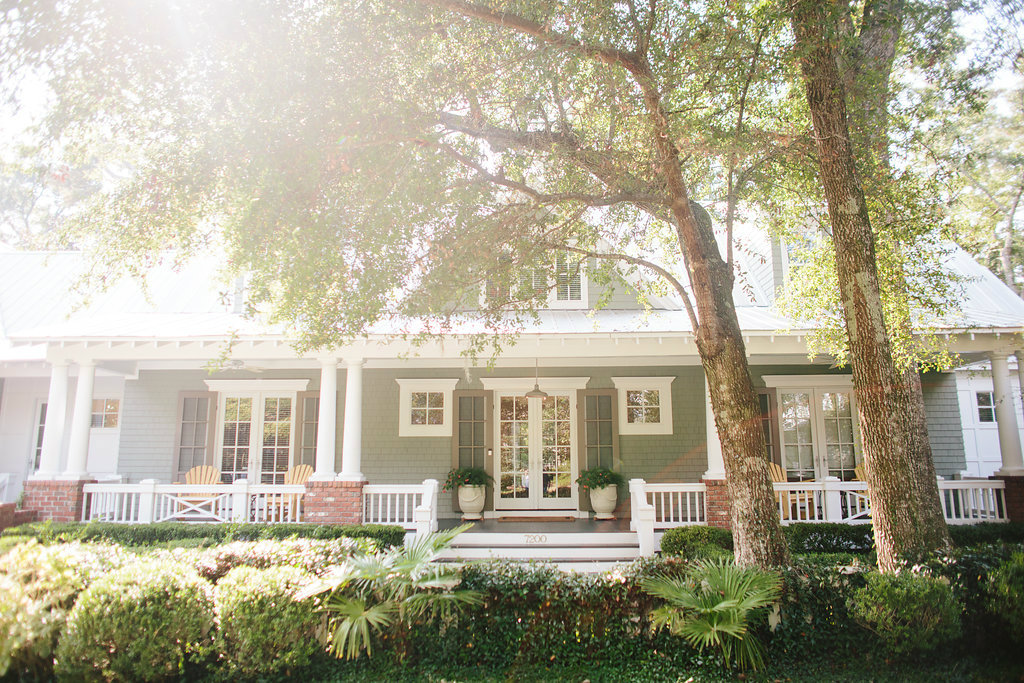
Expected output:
(352, 438)
(81, 422)
(327, 421)
(56, 418)
(1006, 417)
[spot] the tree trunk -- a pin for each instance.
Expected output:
(893, 431)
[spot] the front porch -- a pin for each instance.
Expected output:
(652, 508)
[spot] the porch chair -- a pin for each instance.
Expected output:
(279, 505)
(205, 475)
(778, 476)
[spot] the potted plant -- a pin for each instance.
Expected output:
(471, 483)
(603, 485)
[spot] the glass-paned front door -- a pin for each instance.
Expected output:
(256, 438)
(535, 453)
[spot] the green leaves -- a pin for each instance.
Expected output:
(712, 607)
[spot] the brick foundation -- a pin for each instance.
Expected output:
(334, 502)
(1014, 497)
(6, 515)
(717, 502)
(59, 501)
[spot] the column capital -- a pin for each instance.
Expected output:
(60, 363)
(328, 361)
(355, 362)
(86, 363)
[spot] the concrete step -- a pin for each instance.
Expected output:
(557, 553)
(543, 538)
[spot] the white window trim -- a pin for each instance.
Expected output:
(817, 417)
(663, 385)
(552, 301)
(257, 385)
(406, 388)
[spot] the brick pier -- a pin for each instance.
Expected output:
(56, 500)
(718, 505)
(334, 502)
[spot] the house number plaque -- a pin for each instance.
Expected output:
(536, 539)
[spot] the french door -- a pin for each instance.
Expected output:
(257, 431)
(819, 432)
(535, 462)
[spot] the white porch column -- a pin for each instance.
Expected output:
(327, 421)
(716, 464)
(81, 422)
(56, 417)
(1006, 417)
(352, 438)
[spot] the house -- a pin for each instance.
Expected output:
(105, 408)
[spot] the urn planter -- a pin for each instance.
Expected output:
(603, 500)
(471, 501)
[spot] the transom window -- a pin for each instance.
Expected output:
(645, 404)
(425, 407)
(105, 411)
(986, 406)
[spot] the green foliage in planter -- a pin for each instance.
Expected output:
(1006, 595)
(142, 622)
(713, 607)
(909, 612)
(466, 476)
(696, 542)
(828, 537)
(165, 532)
(261, 627)
(38, 587)
(599, 477)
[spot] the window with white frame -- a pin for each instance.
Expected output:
(425, 407)
(986, 406)
(645, 404)
(37, 446)
(818, 428)
(256, 428)
(105, 412)
(563, 286)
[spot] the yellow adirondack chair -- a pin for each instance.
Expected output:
(280, 506)
(199, 505)
(778, 476)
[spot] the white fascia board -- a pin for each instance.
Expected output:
(268, 385)
(526, 383)
(807, 381)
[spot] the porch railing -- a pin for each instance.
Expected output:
(413, 506)
(150, 501)
(662, 506)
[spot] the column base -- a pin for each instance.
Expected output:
(333, 502)
(717, 503)
(56, 500)
(1013, 494)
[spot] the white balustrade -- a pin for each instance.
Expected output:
(969, 501)
(152, 502)
(677, 504)
(397, 503)
(643, 516)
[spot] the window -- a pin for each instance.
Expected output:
(562, 284)
(986, 406)
(104, 412)
(37, 448)
(645, 404)
(257, 430)
(425, 407)
(817, 426)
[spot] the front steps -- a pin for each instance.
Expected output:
(582, 546)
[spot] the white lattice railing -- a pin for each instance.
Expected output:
(152, 502)
(969, 501)
(413, 506)
(662, 506)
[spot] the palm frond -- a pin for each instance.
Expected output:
(355, 625)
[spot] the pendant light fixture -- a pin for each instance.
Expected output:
(536, 392)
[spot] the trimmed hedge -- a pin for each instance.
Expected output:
(203, 534)
(696, 541)
(829, 537)
(911, 613)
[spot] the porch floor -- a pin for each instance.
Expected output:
(575, 526)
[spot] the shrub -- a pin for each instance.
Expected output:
(713, 607)
(964, 535)
(308, 555)
(38, 587)
(696, 541)
(466, 476)
(1006, 595)
(830, 538)
(262, 628)
(141, 623)
(211, 534)
(909, 612)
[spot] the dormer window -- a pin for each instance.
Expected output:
(563, 284)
